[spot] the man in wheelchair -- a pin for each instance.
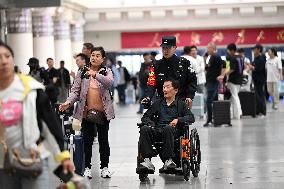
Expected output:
(161, 122)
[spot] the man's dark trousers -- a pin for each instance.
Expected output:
(212, 91)
(121, 93)
(164, 134)
(260, 98)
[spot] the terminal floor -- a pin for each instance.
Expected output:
(248, 155)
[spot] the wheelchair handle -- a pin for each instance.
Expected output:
(144, 124)
(140, 124)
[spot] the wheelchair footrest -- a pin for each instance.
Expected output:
(144, 170)
(171, 171)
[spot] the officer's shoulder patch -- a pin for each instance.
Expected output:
(183, 59)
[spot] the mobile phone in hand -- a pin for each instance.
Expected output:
(59, 172)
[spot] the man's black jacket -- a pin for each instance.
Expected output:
(259, 72)
(152, 115)
(64, 75)
(177, 68)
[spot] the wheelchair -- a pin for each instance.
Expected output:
(187, 154)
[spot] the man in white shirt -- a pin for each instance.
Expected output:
(198, 65)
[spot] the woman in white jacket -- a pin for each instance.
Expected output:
(22, 129)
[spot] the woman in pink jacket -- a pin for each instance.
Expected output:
(91, 89)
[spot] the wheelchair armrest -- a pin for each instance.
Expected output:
(186, 124)
(141, 125)
(144, 124)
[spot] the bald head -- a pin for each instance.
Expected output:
(211, 48)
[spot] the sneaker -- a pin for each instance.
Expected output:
(88, 173)
(275, 107)
(96, 140)
(139, 112)
(261, 116)
(148, 164)
(207, 124)
(105, 173)
(162, 170)
(169, 164)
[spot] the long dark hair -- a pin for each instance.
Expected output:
(273, 50)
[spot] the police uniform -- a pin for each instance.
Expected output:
(177, 68)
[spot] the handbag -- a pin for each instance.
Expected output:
(22, 162)
(96, 116)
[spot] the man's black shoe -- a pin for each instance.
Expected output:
(162, 170)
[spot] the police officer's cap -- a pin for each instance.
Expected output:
(168, 41)
(33, 62)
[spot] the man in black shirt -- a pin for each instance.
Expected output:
(64, 82)
(171, 66)
(235, 73)
(52, 82)
(213, 71)
(143, 78)
(259, 79)
(166, 115)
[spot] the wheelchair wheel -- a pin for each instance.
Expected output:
(195, 153)
(185, 169)
(142, 177)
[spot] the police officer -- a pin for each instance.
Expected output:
(171, 66)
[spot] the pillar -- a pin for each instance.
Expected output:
(43, 39)
(19, 36)
(77, 40)
(62, 42)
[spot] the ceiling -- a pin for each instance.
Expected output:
(156, 3)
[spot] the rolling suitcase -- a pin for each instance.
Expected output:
(130, 95)
(77, 143)
(198, 105)
(221, 112)
(281, 88)
(248, 103)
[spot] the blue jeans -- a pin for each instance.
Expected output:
(12, 182)
(142, 95)
(212, 91)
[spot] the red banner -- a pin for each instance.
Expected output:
(249, 36)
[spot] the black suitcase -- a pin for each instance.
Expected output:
(248, 103)
(221, 112)
(78, 154)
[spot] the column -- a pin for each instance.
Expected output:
(62, 42)
(77, 40)
(19, 36)
(2, 25)
(43, 39)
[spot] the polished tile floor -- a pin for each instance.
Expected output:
(248, 155)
